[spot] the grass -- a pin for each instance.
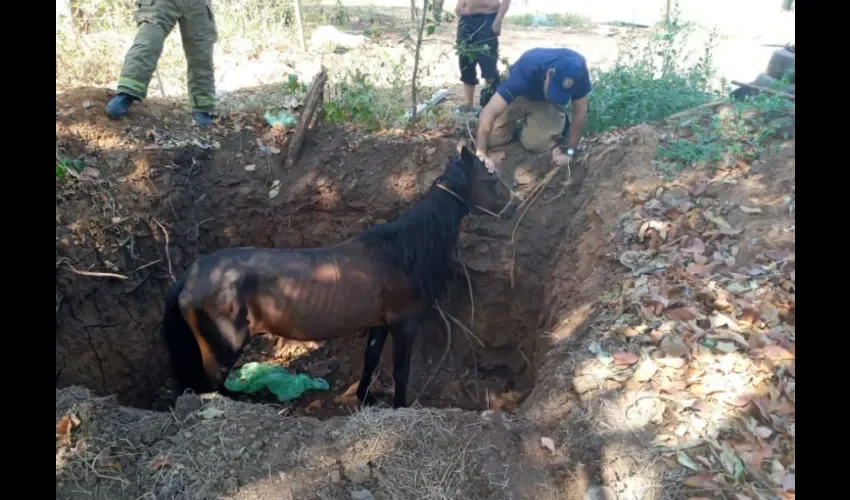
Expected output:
(563, 20)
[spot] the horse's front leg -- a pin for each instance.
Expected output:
(371, 357)
(403, 336)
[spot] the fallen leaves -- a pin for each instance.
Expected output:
(625, 358)
(210, 413)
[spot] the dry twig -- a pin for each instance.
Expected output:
(538, 189)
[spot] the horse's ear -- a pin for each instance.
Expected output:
(468, 156)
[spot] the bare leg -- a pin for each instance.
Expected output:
(469, 94)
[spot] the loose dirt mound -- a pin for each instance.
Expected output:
(650, 331)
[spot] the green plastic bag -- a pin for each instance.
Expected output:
(253, 377)
(283, 118)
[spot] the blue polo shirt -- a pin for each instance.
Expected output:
(570, 80)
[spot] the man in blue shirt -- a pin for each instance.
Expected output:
(540, 83)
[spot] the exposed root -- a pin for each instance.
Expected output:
(535, 193)
(445, 351)
(167, 253)
(469, 287)
(465, 329)
(95, 274)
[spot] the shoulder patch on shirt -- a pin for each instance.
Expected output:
(568, 82)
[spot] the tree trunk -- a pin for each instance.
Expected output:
(300, 24)
(312, 101)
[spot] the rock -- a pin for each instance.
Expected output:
(357, 473)
(187, 404)
(600, 493)
(361, 494)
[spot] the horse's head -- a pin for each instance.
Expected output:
(468, 179)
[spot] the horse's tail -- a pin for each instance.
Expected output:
(186, 361)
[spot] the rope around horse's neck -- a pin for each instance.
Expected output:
(479, 207)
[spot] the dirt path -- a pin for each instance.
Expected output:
(648, 347)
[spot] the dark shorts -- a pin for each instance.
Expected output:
(477, 45)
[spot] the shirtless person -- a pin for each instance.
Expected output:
(478, 28)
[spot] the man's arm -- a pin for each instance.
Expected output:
(579, 119)
(500, 16)
(486, 119)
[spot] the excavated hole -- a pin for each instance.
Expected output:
(107, 332)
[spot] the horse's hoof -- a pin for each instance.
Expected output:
(369, 400)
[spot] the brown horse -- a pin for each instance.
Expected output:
(383, 279)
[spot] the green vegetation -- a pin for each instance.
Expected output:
(566, 20)
(651, 80)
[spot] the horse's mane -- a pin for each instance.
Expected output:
(419, 243)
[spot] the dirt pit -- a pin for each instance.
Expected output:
(153, 177)
(648, 344)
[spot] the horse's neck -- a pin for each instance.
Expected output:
(420, 242)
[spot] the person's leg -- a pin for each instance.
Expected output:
(543, 128)
(155, 19)
(466, 31)
(199, 33)
(505, 126)
(488, 58)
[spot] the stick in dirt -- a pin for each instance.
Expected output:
(312, 102)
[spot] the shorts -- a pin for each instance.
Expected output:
(477, 45)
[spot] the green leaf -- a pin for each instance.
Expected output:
(431, 28)
(685, 461)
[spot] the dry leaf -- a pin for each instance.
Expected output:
(671, 362)
(696, 269)
(250, 168)
(64, 427)
(645, 371)
(86, 104)
(763, 432)
(682, 313)
(717, 221)
(777, 353)
(160, 463)
(702, 481)
(548, 443)
(625, 358)
(720, 320)
(724, 334)
(672, 345)
(209, 413)
(748, 210)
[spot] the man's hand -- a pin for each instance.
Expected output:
(491, 166)
(560, 159)
(497, 26)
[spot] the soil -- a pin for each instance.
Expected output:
(559, 424)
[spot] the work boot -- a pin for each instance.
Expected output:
(203, 119)
(119, 105)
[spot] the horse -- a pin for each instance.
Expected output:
(382, 279)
